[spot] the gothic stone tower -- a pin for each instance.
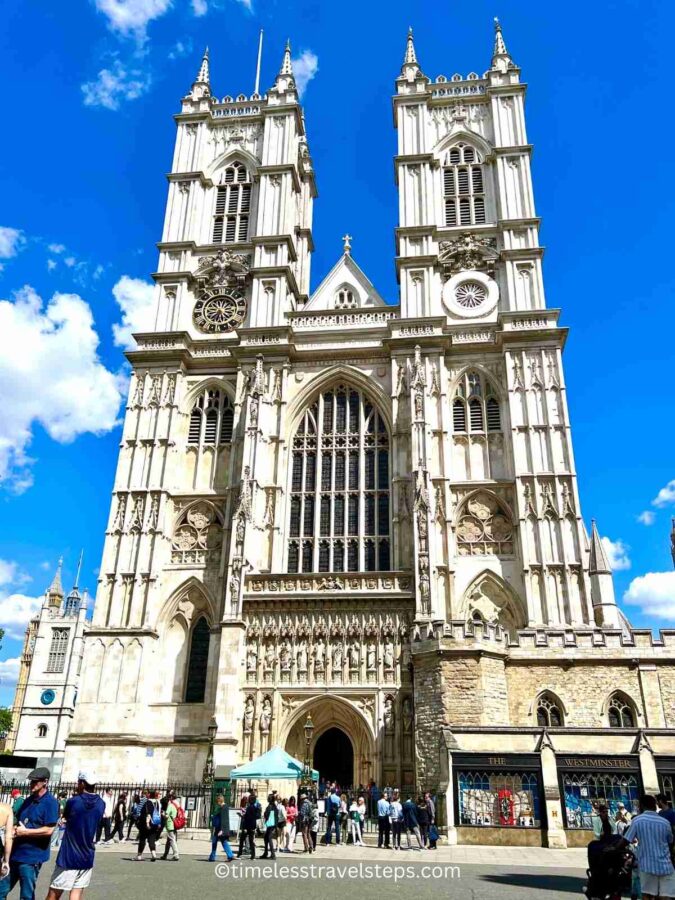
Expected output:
(327, 504)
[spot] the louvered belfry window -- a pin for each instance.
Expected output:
(463, 187)
(475, 405)
(56, 660)
(233, 206)
(340, 474)
(211, 420)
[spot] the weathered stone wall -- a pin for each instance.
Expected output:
(430, 715)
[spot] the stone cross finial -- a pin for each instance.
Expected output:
(347, 239)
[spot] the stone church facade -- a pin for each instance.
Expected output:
(367, 512)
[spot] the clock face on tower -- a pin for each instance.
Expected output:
(219, 311)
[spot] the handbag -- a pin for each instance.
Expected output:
(433, 833)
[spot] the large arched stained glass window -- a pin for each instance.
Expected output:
(198, 663)
(339, 515)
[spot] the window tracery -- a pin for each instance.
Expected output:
(345, 298)
(549, 711)
(56, 660)
(339, 504)
(484, 528)
(211, 420)
(198, 533)
(475, 405)
(621, 712)
(463, 186)
(233, 205)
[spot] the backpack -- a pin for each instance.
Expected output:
(156, 814)
(180, 820)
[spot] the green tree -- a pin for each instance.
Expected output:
(5, 721)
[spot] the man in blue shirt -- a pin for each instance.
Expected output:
(35, 823)
(666, 811)
(383, 825)
(333, 816)
(74, 864)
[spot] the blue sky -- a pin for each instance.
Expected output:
(90, 88)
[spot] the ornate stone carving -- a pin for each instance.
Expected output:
(120, 515)
(221, 305)
(389, 717)
(249, 711)
(198, 532)
(266, 716)
(136, 523)
(401, 381)
(468, 252)
(483, 527)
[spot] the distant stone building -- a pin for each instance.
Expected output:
(49, 677)
(328, 504)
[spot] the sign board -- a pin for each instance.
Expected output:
(502, 762)
(592, 763)
(190, 804)
(321, 805)
(234, 821)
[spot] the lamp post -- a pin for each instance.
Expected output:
(306, 782)
(208, 774)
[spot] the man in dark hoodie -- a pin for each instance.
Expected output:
(75, 861)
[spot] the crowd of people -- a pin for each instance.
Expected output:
(633, 854)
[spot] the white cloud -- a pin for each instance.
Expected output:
(56, 248)
(10, 574)
(135, 298)
(50, 374)
(9, 671)
(200, 7)
(114, 85)
(180, 49)
(665, 496)
(51, 265)
(617, 554)
(647, 517)
(654, 593)
(12, 241)
(131, 17)
(70, 261)
(305, 68)
(16, 610)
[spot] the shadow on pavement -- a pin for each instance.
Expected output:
(567, 883)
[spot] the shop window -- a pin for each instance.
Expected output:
(501, 799)
(584, 790)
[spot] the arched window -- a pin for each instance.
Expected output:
(56, 660)
(233, 206)
(211, 420)
(42, 730)
(549, 711)
(621, 712)
(345, 299)
(463, 186)
(475, 405)
(197, 665)
(339, 506)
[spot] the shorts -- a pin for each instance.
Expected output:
(658, 885)
(68, 879)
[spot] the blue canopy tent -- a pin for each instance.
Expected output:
(276, 763)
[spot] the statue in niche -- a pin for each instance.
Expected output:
(269, 656)
(252, 658)
(407, 712)
(319, 654)
(266, 716)
(354, 654)
(337, 658)
(302, 657)
(248, 715)
(389, 655)
(389, 720)
(370, 656)
(285, 657)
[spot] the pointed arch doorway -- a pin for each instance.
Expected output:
(334, 757)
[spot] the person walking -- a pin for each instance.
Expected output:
(6, 837)
(654, 836)
(291, 829)
(304, 821)
(423, 820)
(105, 826)
(33, 829)
(134, 813)
(57, 837)
(332, 816)
(220, 830)
(271, 823)
(396, 820)
(149, 826)
(249, 823)
(383, 823)
(75, 861)
(431, 807)
(119, 817)
(169, 820)
(411, 824)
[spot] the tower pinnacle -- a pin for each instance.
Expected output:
(286, 67)
(410, 55)
(598, 563)
(55, 589)
(203, 76)
(500, 55)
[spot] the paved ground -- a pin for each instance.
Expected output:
(477, 873)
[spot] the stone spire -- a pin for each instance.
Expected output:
(598, 564)
(203, 76)
(500, 55)
(55, 589)
(286, 67)
(410, 55)
(285, 82)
